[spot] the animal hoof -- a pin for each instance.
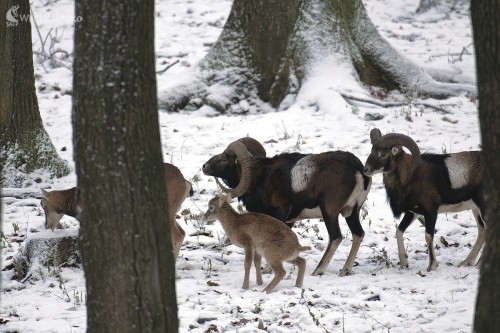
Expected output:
(317, 273)
(266, 290)
(432, 267)
(344, 272)
(465, 263)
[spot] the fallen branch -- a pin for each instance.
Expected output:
(168, 67)
(382, 104)
(378, 322)
(21, 193)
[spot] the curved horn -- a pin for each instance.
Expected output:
(245, 158)
(253, 146)
(375, 136)
(221, 186)
(393, 139)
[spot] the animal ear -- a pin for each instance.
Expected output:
(228, 198)
(44, 192)
(395, 150)
(375, 136)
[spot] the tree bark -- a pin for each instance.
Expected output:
(486, 29)
(426, 5)
(125, 239)
(269, 49)
(24, 144)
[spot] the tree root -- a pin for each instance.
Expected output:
(349, 98)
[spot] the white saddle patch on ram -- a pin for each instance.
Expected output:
(459, 171)
(302, 172)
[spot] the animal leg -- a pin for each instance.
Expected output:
(301, 265)
(479, 240)
(357, 236)
(430, 225)
(257, 259)
(405, 223)
(330, 211)
(249, 251)
(279, 274)
(178, 235)
(334, 242)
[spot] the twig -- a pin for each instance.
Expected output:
(26, 278)
(349, 98)
(366, 314)
(42, 42)
(60, 51)
(21, 193)
(315, 320)
(168, 67)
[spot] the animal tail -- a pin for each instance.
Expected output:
(191, 191)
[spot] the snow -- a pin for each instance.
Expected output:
(379, 296)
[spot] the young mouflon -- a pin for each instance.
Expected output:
(260, 235)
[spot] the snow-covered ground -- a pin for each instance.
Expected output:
(379, 296)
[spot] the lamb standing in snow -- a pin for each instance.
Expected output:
(259, 235)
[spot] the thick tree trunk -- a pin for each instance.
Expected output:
(486, 28)
(125, 241)
(269, 49)
(426, 5)
(24, 144)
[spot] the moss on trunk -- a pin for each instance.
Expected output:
(46, 254)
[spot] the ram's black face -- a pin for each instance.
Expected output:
(223, 166)
(380, 160)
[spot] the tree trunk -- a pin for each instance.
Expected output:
(486, 28)
(125, 239)
(24, 144)
(426, 5)
(269, 50)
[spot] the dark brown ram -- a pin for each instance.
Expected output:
(426, 185)
(294, 186)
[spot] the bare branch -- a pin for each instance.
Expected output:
(382, 104)
(168, 67)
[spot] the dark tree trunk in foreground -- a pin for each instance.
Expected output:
(486, 27)
(24, 144)
(125, 240)
(268, 49)
(426, 5)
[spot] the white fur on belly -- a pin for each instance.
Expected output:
(302, 172)
(459, 171)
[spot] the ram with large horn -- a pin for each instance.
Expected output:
(293, 186)
(424, 185)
